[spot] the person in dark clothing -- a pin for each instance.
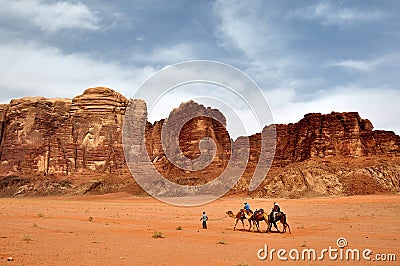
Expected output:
(204, 218)
(276, 209)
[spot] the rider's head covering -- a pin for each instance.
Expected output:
(275, 203)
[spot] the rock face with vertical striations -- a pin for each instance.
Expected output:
(196, 128)
(332, 154)
(332, 135)
(95, 121)
(62, 138)
(59, 146)
(33, 130)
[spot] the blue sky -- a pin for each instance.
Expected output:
(306, 56)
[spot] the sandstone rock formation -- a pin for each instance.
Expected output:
(75, 146)
(330, 154)
(326, 136)
(62, 138)
(198, 123)
(332, 135)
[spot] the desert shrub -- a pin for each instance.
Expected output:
(158, 234)
(27, 238)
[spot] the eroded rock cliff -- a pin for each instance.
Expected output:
(75, 146)
(78, 140)
(192, 123)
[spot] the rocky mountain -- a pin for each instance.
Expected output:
(64, 146)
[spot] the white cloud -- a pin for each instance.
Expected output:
(167, 55)
(353, 64)
(240, 117)
(51, 17)
(330, 14)
(252, 28)
(30, 69)
(245, 26)
(378, 105)
(384, 61)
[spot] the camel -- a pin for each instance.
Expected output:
(262, 216)
(281, 217)
(241, 215)
(256, 218)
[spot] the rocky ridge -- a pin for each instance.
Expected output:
(64, 146)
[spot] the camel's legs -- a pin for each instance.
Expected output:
(276, 227)
(266, 222)
(268, 227)
(257, 223)
(234, 227)
(284, 227)
(250, 226)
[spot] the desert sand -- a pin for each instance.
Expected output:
(118, 229)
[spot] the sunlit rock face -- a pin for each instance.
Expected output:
(61, 136)
(322, 154)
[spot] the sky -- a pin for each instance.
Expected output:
(305, 56)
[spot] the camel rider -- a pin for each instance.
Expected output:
(276, 209)
(247, 207)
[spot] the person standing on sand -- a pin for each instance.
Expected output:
(204, 218)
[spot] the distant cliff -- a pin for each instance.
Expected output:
(62, 146)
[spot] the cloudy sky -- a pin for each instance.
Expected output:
(306, 56)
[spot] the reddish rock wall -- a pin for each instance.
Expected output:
(82, 138)
(207, 122)
(59, 136)
(334, 135)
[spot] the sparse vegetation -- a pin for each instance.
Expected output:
(34, 225)
(27, 238)
(222, 242)
(179, 228)
(241, 264)
(116, 215)
(303, 245)
(90, 219)
(158, 234)
(41, 215)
